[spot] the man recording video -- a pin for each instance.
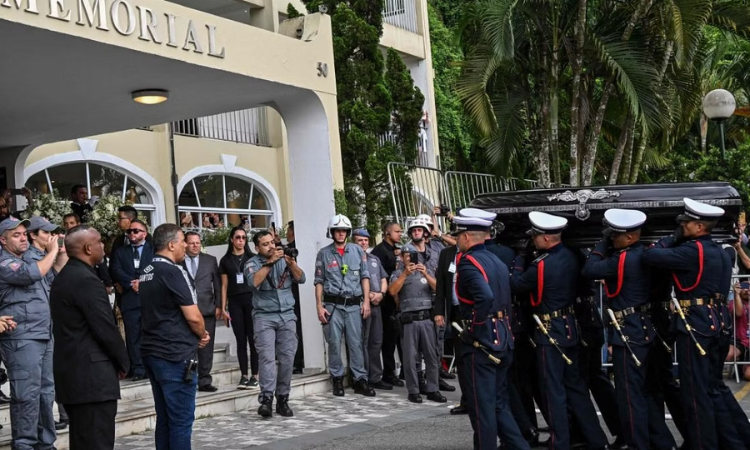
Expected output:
(271, 274)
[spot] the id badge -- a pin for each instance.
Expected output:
(452, 268)
(137, 263)
(240, 278)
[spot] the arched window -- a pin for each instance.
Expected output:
(100, 181)
(216, 201)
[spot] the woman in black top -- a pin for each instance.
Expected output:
(237, 296)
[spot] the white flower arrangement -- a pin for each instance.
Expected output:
(104, 216)
(49, 206)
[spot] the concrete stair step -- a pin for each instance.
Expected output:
(137, 414)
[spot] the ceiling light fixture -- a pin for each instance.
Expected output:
(150, 96)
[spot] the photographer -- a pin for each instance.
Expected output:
(270, 275)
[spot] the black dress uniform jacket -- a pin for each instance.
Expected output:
(444, 279)
(550, 291)
(698, 273)
(626, 286)
(89, 352)
(483, 292)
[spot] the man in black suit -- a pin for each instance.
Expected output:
(446, 311)
(89, 355)
(127, 263)
(204, 273)
(79, 196)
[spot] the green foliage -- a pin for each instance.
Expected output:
(709, 166)
(291, 12)
(373, 100)
(454, 127)
(218, 236)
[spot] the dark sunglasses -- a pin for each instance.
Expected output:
(241, 238)
(134, 231)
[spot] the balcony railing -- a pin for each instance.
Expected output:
(247, 126)
(402, 14)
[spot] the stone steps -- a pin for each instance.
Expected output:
(135, 411)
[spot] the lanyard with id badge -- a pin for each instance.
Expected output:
(240, 276)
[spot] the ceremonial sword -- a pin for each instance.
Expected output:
(551, 339)
(476, 344)
(622, 336)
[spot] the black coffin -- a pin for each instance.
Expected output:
(584, 208)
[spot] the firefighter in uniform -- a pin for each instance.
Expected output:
(412, 287)
(342, 292)
(616, 259)
(697, 263)
(487, 342)
(551, 279)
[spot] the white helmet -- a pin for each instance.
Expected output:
(339, 222)
(426, 218)
(419, 222)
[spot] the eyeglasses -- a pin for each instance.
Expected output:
(135, 231)
(241, 238)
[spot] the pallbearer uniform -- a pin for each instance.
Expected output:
(484, 294)
(697, 272)
(551, 281)
(627, 292)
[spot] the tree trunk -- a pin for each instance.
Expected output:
(638, 157)
(596, 129)
(627, 157)
(576, 129)
(543, 161)
(614, 171)
(554, 120)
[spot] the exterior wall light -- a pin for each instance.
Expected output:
(150, 96)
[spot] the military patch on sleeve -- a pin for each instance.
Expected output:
(540, 258)
(14, 266)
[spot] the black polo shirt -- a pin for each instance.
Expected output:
(231, 265)
(164, 289)
(385, 253)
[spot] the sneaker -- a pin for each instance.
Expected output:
(252, 382)
(243, 383)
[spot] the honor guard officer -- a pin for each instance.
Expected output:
(552, 280)
(342, 291)
(412, 287)
(507, 256)
(616, 259)
(487, 342)
(696, 263)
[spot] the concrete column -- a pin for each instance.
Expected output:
(310, 139)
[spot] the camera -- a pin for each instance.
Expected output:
(289, 251)
(191, 367)
(444, 210)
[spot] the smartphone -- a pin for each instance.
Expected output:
(745, 285)
(273, 226)
(61, 241)
(16, 191)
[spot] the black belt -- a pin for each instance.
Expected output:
(345, 301)
(619, 315)
(419, 315)
(696, 302)
(556, 314)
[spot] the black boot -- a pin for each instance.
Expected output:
(361, 387)
(266, 406)
(338, 386)
(282, 406)
(444, 386)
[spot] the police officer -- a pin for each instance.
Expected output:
(27, 350)
(487, 343)
(271, 274)
(696, 263)
(342, 291)
(373, 325)
(616, 259)
(412, 287)
(551, 279)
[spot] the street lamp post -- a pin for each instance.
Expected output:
(719, 105)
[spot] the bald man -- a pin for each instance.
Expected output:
(89, 356)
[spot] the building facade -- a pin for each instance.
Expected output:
(248, 135)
